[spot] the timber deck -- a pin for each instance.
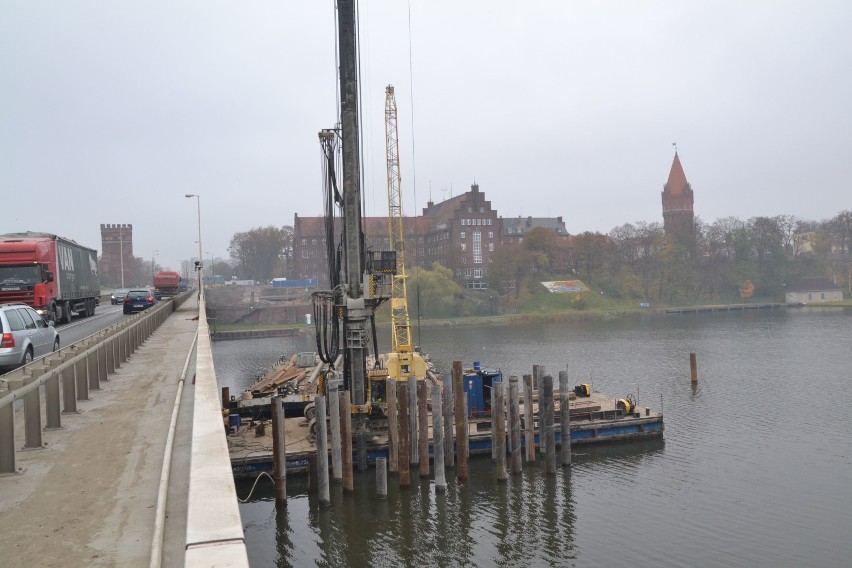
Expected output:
(594, 420)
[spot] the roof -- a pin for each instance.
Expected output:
(676, 183)
(444, 210)
(813, 284)
(373, 226)
(522, 225)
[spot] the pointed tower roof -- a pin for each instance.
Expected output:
(677, 179)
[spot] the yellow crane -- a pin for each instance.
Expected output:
(403, 361)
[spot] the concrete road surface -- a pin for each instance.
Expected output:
(89, 498)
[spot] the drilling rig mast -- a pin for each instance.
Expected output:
(344, 312)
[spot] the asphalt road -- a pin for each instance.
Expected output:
(80, 327)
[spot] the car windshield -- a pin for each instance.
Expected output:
(120, 293)
(20, 275)
(139, 293)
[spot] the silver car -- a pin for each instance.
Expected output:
(25, 336)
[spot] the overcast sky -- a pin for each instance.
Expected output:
(111, 111)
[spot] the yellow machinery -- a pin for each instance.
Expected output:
(403, 361)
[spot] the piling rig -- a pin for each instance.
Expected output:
(345, 314)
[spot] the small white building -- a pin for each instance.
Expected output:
(810, 290)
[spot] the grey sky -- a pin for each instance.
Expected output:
(110, 111)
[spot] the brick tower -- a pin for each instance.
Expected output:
(677, 206)
(116, 253)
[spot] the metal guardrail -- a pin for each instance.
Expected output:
(214, 530)
(67, 376)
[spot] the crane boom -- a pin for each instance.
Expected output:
(403, 361)
(396, 234)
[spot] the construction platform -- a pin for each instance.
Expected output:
(594, 420)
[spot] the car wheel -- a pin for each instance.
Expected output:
(56, 344)
(51, 313)
(28, 356)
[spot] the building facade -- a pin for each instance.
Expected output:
(462, 233)
(813, 290)
(116, 254)
(310, 250)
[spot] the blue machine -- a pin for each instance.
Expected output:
(477, 386)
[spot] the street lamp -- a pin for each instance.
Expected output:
(155, 253)
(200, 263)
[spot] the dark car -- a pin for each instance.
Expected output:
(138, 300)
(118, 296)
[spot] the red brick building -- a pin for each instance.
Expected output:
(461, 233)
(116, 253)
(678, 216)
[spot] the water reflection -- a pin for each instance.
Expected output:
(734, 483)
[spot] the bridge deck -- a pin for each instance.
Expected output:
(89, 498)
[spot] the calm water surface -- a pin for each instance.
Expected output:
(755, 469)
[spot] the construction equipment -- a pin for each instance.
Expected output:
(403, 361)
(342, 313)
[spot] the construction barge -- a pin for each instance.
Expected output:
(594, 419)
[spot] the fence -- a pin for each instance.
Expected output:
(68, 375)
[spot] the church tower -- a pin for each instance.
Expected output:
(677, 206)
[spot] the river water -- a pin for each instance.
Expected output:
(755, 468)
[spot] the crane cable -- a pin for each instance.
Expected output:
(413, 157)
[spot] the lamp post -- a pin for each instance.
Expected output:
(200, 258)
(155, 253)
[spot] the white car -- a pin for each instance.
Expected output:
(25, 336)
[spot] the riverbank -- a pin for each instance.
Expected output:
(241, 331)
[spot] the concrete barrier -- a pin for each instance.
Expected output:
(214, 530)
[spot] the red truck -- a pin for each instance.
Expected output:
(166, 284)
(56, 276)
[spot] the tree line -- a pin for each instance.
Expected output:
(726, 260)
(730, 259)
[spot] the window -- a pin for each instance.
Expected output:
(29, 323)
(467, 272)
(464, 247)
(15, 321)
(314, 242)
(39, 321)
(304, 253)
(490, 233)
(304, 242)
(489, 221)
(477, 247)
(477, 273)
(482, 209)
(462, 235)
(458, 272)
(490, 247)
(470, 209)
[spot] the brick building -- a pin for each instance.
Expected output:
(116, 254)
(461, 233)
(678, 216)
(310, 255)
